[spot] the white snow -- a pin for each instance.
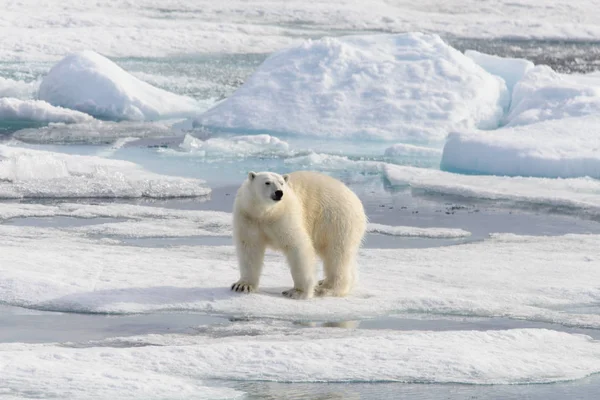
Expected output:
(410, 150)
(520, 356)
(38, 30)
(12, 109)
(65, 271)
(563, 148)
(18, 89)
(578, 194)
(407, 86)
(410, 231)
(28, 173)
(91, 83)
(236, 146)
(511, 70)
(544, 94)
(52, 371)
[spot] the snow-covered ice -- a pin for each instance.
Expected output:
(511, 70)
(407, 86)
(18, 89)
(28, 173)
(494, 357)
(470, 279)
(12, 109)
(235, 146)
(410, 150)
(577, 194)
(550, 130)
(543, 94)
(91, 83)
(563, 148)
(38, 30)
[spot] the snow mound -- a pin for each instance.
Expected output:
(544, 94)
(581, 194)
(91, 83)
(237, 146)
(511, 70)
(12, 109)
(31, 173)
(65, 271)
(518, 356)
(369, 87)
(564, 148)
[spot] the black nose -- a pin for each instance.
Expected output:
(278, 195)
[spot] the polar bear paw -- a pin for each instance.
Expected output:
(294, 293)
(243, 287)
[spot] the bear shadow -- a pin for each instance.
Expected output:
(101, 301)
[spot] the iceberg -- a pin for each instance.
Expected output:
(12, 109)
(28, 173)
(91, 83)
(563, 148)
(551, 129)
(391, 87)
(511, 70)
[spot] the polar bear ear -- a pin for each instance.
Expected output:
(251, 175)
(286, 177)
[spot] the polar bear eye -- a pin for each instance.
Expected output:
(267, 183)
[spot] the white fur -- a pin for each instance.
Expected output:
(317, 215)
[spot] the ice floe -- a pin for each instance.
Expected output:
(406, 86)
(12, 109)
(409, 150)
(65, 271)
(235, 146)
(511, 70)
(91, 83)
(563, 148)
(93, 132)
(519, 356)
(18, 89)
(578, 194)
(28, 173)
(543, 94)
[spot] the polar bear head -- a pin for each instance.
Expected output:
(267, 186)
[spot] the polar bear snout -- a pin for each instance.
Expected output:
(277, 195)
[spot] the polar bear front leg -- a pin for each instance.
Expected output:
(250, 251)
(302, 260)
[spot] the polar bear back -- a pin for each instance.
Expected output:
(332, 213)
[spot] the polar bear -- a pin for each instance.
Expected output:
(303, 214)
